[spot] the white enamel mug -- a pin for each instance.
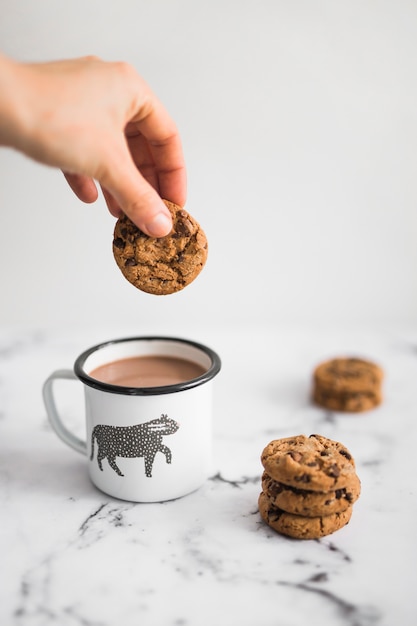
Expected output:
(144, 444)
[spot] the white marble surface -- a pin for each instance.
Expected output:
(72, 556)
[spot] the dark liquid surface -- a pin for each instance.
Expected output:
(147, 371)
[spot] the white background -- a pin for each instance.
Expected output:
(299, 126)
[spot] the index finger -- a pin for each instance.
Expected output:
(165, 146)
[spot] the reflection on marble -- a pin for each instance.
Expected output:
(73, 556)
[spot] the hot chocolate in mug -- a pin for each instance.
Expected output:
(148, 411)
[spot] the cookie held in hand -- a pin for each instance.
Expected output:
(164, 265)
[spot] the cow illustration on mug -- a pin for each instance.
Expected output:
(141, 440)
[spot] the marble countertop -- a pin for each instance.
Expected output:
(72, 556)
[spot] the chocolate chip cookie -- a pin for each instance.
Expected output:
(309, 486)
(162, 265)
(314, 463)
(298, 526)
(348, 384)
(310, 503)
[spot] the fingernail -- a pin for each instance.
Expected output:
(160, 225)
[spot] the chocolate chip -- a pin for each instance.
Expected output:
(274, 489)
(274, 513)
(346, 454)
(130, 262)
(119, 243)
(304, 478)
(333, 471)
(183, 227)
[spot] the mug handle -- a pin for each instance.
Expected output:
(57, 424)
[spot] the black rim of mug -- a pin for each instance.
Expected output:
(212, 371)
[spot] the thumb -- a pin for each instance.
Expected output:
(135, 196)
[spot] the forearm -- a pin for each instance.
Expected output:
(12, 107)
(96, 121)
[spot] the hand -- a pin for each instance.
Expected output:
(99, 121)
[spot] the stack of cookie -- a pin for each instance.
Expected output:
(347, 384)
(309, 485)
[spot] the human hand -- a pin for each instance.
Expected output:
(99, 121)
